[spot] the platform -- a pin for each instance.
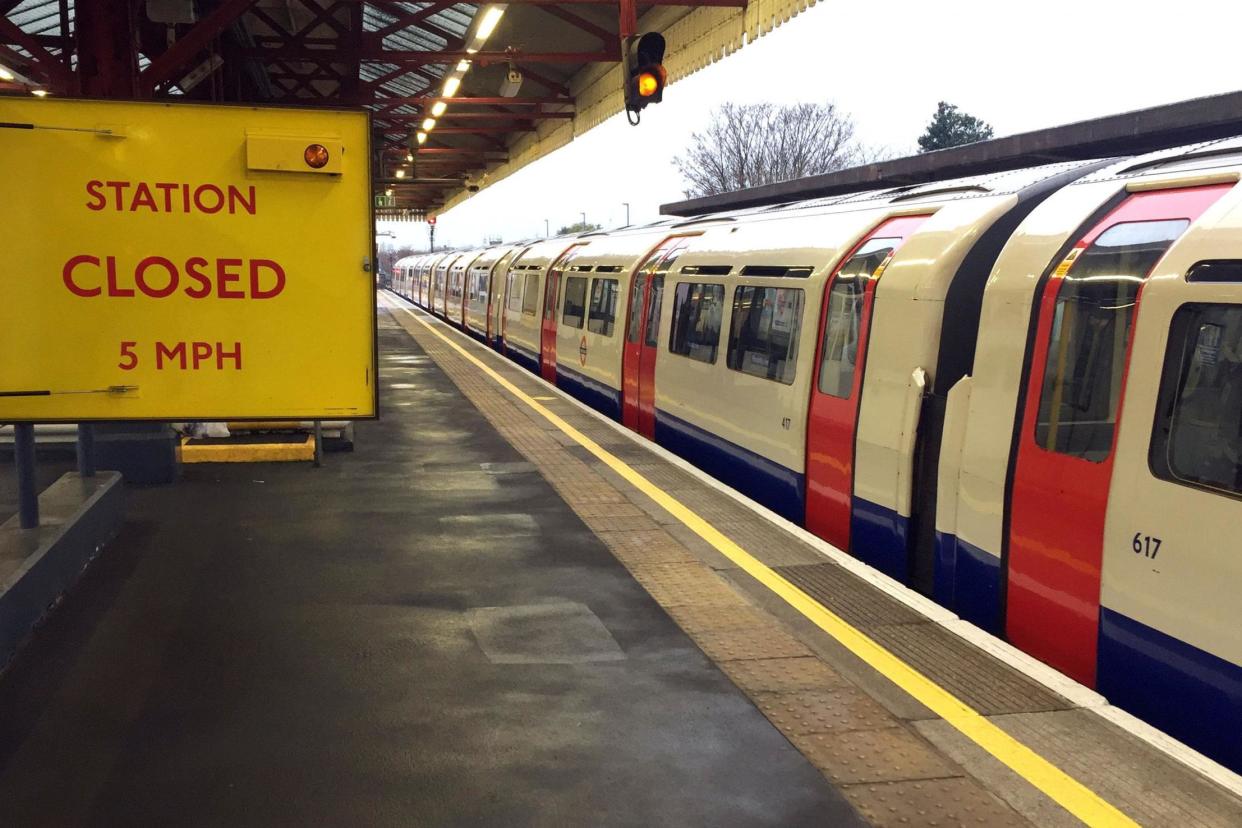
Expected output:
(502, 610)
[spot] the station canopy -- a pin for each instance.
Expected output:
(405, 61)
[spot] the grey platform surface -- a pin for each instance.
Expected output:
(420, 633)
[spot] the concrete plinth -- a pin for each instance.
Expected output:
(78, 516)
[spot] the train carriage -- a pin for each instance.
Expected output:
(530, 302)
(455, 302)
(440, 284)
(1099, 543)
(426, 279)
(480, 290)
(590, 317)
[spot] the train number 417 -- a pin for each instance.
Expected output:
(1145, 545)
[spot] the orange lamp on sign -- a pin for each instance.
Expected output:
(316, 156)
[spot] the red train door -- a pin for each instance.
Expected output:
(841, 356)
(551, 293)
(1074, 393)
(642, 330)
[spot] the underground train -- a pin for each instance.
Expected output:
(932, 377)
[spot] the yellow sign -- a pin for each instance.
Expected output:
(184, 262)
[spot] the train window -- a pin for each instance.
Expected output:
(843, 319)
(603, 310)
(1090, 333)
(636, 308)
(763, 333)
(1217, 270)
(530, 295)
(575, 301)
(515, 292)
(1197, 438)
(697, 313)
(653, 310)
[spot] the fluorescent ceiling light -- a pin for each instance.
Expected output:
(451, 86)
(6, 75)
(437, 109)
(463, 66)
(400, 173)
(429, 124)
(422, 137)
(487, 25)
(39, 93)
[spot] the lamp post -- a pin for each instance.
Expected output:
(547, 232)
(583, 220)
(627, 213)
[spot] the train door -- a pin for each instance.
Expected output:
(642, 329)
(551, 295)
(1073, 395)
(841, 356)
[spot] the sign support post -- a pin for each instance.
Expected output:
(86, 450)
(27, 494)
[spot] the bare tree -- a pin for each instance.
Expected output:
(745, 145)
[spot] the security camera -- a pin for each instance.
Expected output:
(512, 83)
(472, 185)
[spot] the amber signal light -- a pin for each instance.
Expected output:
(316, 156)
(648, 84)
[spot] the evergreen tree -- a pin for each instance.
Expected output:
(950, 127)
(577, 227)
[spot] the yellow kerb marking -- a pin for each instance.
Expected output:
(1062, 788)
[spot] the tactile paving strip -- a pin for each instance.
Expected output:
(955, 801)
(822, 711)
(697, 618)
(972, 675)
(674, 585)
(763, 641)
(643, 547)
(841, 592)
(893, 754)
(783, 675)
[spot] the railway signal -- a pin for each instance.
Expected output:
(645, 76)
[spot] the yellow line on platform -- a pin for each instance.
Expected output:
(1066, 791)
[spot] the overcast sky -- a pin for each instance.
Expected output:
(1017, 66)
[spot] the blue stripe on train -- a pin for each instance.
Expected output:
(602, 398)
(878, 537)
(527, 359)
(968, 581)
(757, 477)
(1193, 695)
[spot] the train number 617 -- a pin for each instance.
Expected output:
(1145, 545)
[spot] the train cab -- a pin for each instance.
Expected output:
(1094, 477)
